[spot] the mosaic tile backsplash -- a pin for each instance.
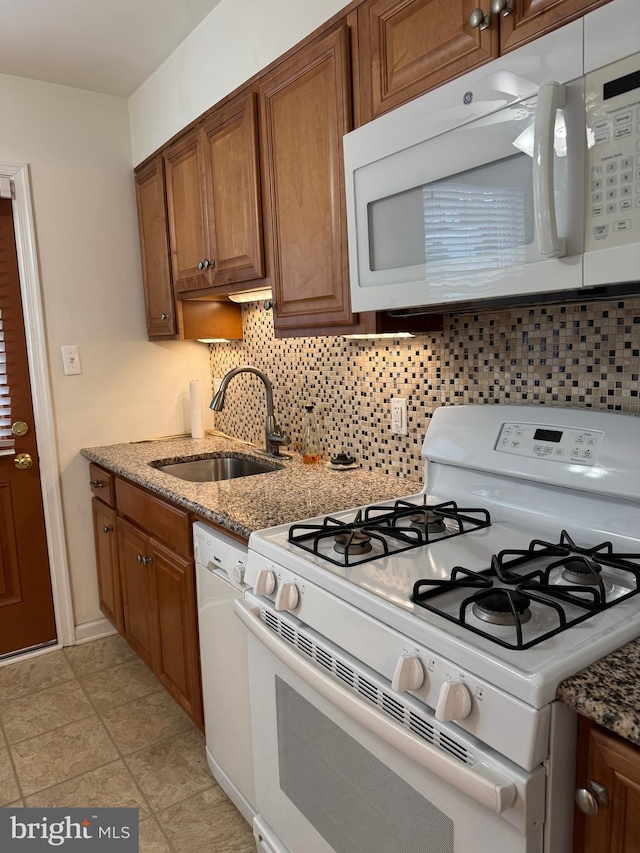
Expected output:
(565, 355)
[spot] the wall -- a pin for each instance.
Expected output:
(78, 147)
(565, 355)
(235, 41)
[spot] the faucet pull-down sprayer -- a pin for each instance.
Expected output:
(274, 435)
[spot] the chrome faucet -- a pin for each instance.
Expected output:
(274, 436)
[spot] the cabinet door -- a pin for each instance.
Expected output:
(533, 18)
(412, 46)
(614, 763)
(154, 247)
(187, 213)
(233, 192)
(306, 110)
(177, 636)
(105, 536)
(136, 572)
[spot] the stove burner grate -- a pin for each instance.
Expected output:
(388, 530)
(589, 595)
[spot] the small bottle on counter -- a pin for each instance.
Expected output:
(310, 437)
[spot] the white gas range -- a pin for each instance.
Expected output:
(420, 643)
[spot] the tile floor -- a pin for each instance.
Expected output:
(91, 726)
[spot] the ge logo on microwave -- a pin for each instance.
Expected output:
(468, 97)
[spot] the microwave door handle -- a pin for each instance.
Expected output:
(551, 98)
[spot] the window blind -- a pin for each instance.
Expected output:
(472, 229)
(7, 441)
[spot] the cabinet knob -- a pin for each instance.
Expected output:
(96, 484)
(200, 265)
(107, 528)
(478, 19)
(502, 7)
(165, 317)
(590, 799)
(207, 263)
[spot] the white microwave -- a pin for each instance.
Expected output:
(519, 179)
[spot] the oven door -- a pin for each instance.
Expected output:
(337, 773)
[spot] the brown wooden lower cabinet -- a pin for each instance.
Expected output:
(137, 573)
(176, 652)
(146, 579)
(104, 531)
(609, 769)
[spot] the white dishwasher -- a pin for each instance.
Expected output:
(220, 565)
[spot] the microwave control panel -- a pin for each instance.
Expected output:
(557, 444)
(613, 136)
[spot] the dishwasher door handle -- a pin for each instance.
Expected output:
(478, 781)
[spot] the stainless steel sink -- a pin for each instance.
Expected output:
(216, 468)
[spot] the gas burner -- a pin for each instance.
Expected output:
(354, 542)
(497, 608)
(558, 584)
(581, 571)
(382, 530)
(428, 521)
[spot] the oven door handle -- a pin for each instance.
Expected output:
(480, 782)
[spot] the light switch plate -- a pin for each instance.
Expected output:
(71, 360)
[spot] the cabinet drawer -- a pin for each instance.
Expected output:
(165, 522)
(102, 484)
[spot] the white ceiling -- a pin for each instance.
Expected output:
(108, 46)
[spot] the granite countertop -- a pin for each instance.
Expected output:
(608, 692)
(293, 492)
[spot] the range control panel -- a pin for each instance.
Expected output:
(613, 130)
(557, 444)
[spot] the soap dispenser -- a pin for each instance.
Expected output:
(310, 437)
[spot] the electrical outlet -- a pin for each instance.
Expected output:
(399, 415)
(71, 360)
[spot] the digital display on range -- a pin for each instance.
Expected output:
(623, 84)
(548, 435)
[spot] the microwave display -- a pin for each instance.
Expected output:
(621, 86)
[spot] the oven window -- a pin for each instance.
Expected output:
(353, 800)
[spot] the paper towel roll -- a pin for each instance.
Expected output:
(195, 406)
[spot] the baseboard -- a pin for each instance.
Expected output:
(94, 630)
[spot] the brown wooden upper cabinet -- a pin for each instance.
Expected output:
(411, 46)
(213, 200)
(306, 110)
(154, 247)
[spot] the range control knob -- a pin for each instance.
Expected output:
(237, 571)
(287, 597)
(454, 701)
(408, 674)
(265, 582)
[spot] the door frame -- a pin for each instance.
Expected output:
(37, 356)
